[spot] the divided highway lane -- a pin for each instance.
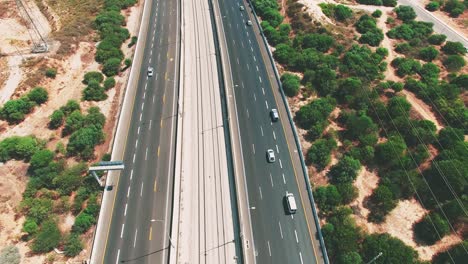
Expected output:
(278, 237)
(139, 229)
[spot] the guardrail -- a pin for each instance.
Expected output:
(296, 137)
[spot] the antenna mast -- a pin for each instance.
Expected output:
(39, 43)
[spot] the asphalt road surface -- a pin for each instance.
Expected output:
(204, 218)
(278, 236)
(139, 229)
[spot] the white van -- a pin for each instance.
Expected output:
(292, 207)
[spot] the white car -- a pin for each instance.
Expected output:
(249, 23)
(241, 8)
(292, 206)
(274, 115)
(150, 71)
(270, 156)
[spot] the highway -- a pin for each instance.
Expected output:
(278, 237)
(439, 26)
(203, 223)
(141, 210)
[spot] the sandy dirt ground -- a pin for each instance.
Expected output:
(67, 85)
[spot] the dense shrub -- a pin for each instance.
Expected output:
(338, 12)
(83, 141)
(111, 67)
(345, 171)
(93, 75)
(319, 153)
(51, 73)
(315, 112)
(14, 111)
(428, 53)
(94, 92)
(405, 13)
(454, 48)
(48, 238)
(436, 39)
(56, 119)
(82, 223)
(424, 230)
(393, 250)
(19, 148)
(411, 30)
(455, 254)
(454, 7)
(327, 197)
(73, 245)
(454, 62)
(70, 107)
(290, 83)
(381, 202)
(433, 6)
(377, 13)
(109, 83)
(38, 95)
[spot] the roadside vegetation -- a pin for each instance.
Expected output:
(378, 127)
(59, 185)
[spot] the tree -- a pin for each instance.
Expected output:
(456, 254)
(454, 62)
(429, 72)
(398, 106)
(319, 153)
(348, 192)
(444, 172)
(14, 111)
(320, 42)
(345, 171)
(390, 152)
(325, 81)
(454, 7)
(362, 128)
(94, 92)
(82, 223)
(94, 118)
(111, 67)
(19, 148)
(433, 6)
(349, 258)
(389, 2)
(428, 53)
(381, 202)
(48, 237)
(393, 250)
(449, 137)
(93, 75)
(38, 95)
(10, 255)
(424, 230)
(284, 54)
(327, 197)
(273, 17)
(405, 13)
(315, 112)
(347, 89)
(82, 142)
(290, 83)
(436, 39)
(454, 48)
(73, 245)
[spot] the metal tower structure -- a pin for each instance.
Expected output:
(39, 43)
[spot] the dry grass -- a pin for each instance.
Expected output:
(75, 17)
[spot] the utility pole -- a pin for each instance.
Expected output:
(39, 43)
(375, 258)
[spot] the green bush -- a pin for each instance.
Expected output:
(73, 245)
(70, 107)
(455, 254)
(10, 255)
(290, 83)
(51, 73)
(436, 39)
(19, 148)
(94, 92)
(133, 41)
(70, 179)
(48, 238)
(381, 202)
(377, 13)
(128, 63)
(433, 6)
(389, 2)
(405, 13)
(454, 48)
(30, 227)
(348, 192)
(343, 12)
(109, 83)
(40, 159)
(319, 153)
(38, 95)
(370, 2)
(83, 141)
(428, 53)
(14, 111)
(345, 171)
(316, 111)
(424, 230)
(327, 197)
(73, 122)
(393, 250)
(454, 7)
(56, 119)
(111, 67)
(454, 62)
(82, 223)
(389, 152)
(93, 75)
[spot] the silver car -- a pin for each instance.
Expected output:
(274, 115)
(249, 23)
(241, 8)
(270, 156)
(150, 71)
